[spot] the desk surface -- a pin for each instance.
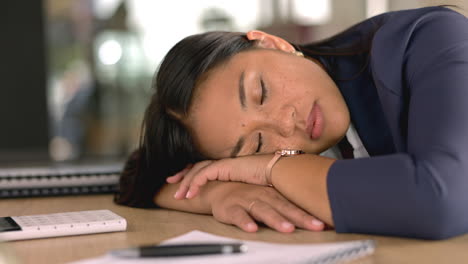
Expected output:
(151, 226)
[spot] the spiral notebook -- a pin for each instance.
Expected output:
(257, 252)
(59, 180)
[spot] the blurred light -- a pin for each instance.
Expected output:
(103, 9)
(110, 52)
(376, 7)
(61, 149)
(306, 12)
(163, 23)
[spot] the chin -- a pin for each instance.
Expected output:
(330, 142)
(324, 145)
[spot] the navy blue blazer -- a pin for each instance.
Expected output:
(408, 99)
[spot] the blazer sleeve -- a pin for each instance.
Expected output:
(421, 192)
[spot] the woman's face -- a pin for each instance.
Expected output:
(263, 100)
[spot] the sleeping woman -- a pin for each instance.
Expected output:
(365, 132)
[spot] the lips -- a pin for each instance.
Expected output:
(314, 127)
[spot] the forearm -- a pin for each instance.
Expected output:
(200, 204)
(303, 180)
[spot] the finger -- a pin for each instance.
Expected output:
(192, 191)
(180, 175)
(208, 173)
(239, 217)
(185, 183)
(297, 216)
(268, 215)
(175, 178)
(180, 193)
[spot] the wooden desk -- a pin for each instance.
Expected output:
(152, 226)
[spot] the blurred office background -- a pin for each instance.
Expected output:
(77, 73)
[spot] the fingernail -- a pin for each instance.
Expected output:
(287, 225)
(250, 226)
(317, 222)
(188, 195)
(176, 194)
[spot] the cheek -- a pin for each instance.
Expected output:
(337, 119)
(295, 93)
(296, 142)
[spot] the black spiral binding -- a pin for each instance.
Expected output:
(21, 175)
(365, 248)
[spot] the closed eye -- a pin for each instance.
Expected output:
(264, 91)
(260, 143)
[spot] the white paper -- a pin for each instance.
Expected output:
(258, 252)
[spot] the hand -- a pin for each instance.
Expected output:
(241, 204)
(248, 169)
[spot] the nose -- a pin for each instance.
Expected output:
(284, 120)
(281, 121)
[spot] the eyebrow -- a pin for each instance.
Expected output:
(242, 91)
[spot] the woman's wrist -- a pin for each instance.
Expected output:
(303, 180)
(279, 154)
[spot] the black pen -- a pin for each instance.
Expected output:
(175, 250)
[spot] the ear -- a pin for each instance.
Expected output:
(268, 41)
